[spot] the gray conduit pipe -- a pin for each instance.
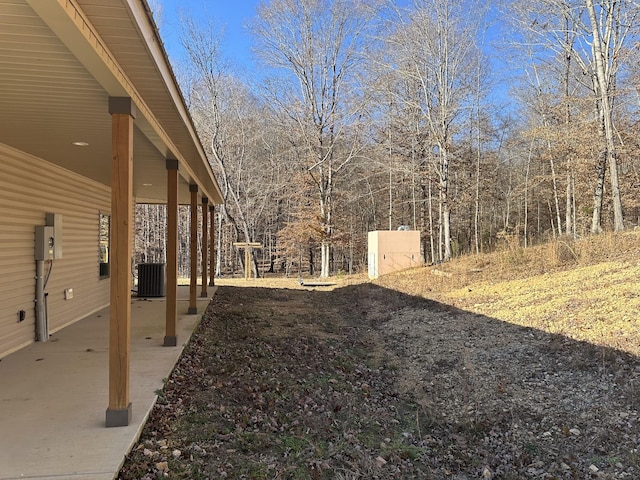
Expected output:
(42, 323)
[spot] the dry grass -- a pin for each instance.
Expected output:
(586, 290)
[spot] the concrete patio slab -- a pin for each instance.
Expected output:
(54, 395)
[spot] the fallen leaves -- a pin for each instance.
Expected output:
(407, 389)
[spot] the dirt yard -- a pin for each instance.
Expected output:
(364, 382)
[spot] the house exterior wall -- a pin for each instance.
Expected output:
(391, 251)
(29, 188)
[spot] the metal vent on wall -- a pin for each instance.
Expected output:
(151, 281)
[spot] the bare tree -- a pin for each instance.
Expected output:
(315, 47)
(232, 123)
(594, 35)
(609, 28)
(434, 44)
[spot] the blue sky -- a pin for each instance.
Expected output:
(232, 14)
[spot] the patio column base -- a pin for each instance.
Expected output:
(192, 310)
(118, 417)
(170, 341)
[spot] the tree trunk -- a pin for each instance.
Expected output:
(605, 83)
(526, 196)
(476, 214)
(568, 220)
(596, 226)
(555, 195)
(325, 250)
(431, 238)
(444, 202)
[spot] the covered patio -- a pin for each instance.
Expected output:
(92, 122)
(51, 392)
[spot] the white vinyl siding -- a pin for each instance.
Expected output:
(29, 188)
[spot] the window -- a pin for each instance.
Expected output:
(104, 228)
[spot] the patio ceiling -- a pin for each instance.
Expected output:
(61, 60)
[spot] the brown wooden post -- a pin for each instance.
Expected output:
(171, 336)
(122, 110)
(212, 243)
(205, 250)
(193, 304)
(247, 263)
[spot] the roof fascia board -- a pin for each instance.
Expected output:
(149, 32)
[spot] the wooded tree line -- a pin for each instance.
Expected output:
(472, 123)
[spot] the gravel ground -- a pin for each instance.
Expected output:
(364, 382)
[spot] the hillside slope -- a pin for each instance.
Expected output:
(585, 290)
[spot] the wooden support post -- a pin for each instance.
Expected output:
(247, 264)
(205, 242)
(248, 247)
(212, 243)
(193, 288)
(122, 112)
(171, 326)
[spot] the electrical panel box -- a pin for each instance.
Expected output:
(55, 220)
(45, 243)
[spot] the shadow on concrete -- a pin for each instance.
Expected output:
(53, 395)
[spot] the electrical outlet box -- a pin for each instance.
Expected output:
(55, 220)
(45, 240)
(68, 293)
